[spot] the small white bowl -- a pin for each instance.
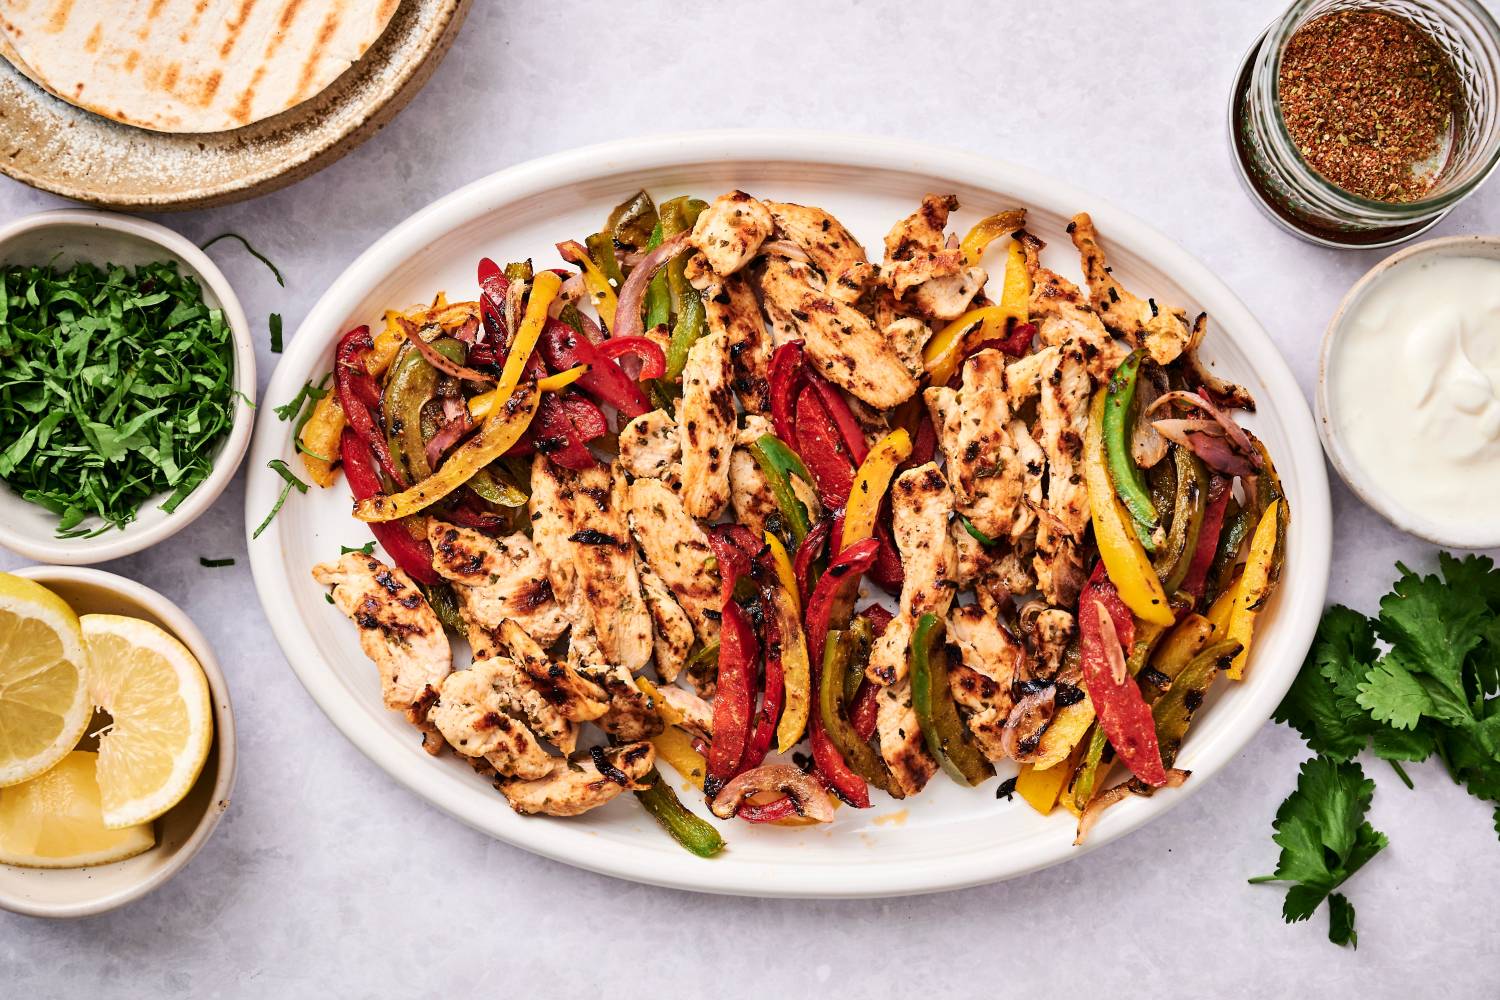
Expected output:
(186, 827)
(1354, 475)
(70, 235)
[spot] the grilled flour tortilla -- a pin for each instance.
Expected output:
(188, 65)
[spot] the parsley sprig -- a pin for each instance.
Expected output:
(115, 386)
(1421, 678)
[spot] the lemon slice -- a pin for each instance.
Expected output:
(44, 704)
(55, 821)
(157, 695)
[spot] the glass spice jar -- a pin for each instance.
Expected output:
(1304, 201)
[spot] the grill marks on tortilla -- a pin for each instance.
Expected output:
(190, 65)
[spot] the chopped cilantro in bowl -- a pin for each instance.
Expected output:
(127, 384)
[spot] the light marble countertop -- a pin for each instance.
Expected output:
(327, 877)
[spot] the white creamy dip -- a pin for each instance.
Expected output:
(1414, 389)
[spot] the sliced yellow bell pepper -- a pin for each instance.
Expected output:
(988, 230)
(1068, 726)
(543, 290)
(1223, 605)
(1041, 788)
(950, 346)
(1126, 562)
(870, 484)
(481, 404)
(601, 292)
(796, 670)
(1253, 589)
(783, 566)
(1182, 644)
(319, 439)
(499, 432)
(672, 744)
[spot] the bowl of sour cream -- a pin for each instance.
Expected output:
(1409, 390)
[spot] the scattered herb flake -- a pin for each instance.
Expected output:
(367, 549)
(253, 252)
(275, 323)
(289, 483)
(208, 563)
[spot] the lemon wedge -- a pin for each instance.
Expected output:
(44, 704)
(55, 821)
(156, 693)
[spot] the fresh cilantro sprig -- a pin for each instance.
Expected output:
(1420, 678)
(115, 386)
(1324, 840)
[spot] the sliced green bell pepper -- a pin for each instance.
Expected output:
(687, 829)
(1130, 484)
(932, 700)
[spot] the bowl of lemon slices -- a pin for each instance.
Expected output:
(116, 741)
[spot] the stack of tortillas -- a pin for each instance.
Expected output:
(188, 65)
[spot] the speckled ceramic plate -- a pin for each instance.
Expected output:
(52, 145)
(946, 837)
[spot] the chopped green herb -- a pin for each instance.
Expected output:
(275, 324)
(301, 406)
(115, 386)
(253, 252)
(367, 549)
(289, 483)
(214, 563)
(328, 598)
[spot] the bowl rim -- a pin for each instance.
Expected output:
(1354, 475)
(180, 625)
(134, 537)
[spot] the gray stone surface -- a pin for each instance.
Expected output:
(327, 878)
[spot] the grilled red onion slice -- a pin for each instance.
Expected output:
(439, 362)
(456, 426)
(808, 795)
(1102, 801)
(628, 321)
(1109, 638)
(1030, 716)
(784, 248)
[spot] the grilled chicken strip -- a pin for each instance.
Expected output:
(398, 629)
(1061, 314)
(650, 448)
(497, 579)
(731, 309)
(474, 714)
(1046, 632)
(981, 684)
(571, 788)
(550, 688)
(900, 738)
(730, 231)
(973, 429)
(630, 715)
(1062, 418)
(1163, 329)
(579, 526)
(921, 506)
(831, 248)
(674, 629)
(706, 427)
(840, 341)
(922, 271)
(676, 549)
(697, 714)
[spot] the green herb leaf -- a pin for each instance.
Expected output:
(253, 252)
(1341, 921)
(290, 482)
(367, 549)
(275, 324)
(1323, 835)
(214, 563)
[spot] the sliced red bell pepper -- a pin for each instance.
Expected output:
(493, 286)
(552, 434)
(888, 571)
(771, 812)
(1123, 714)
(864, 704)
(734, 547)
(413, 556)
(809, 552)
(850, 433)
(832, 767)
(786, 378)
(838, 580)
(879, 618)
(734, 700)
(564, 347)
(771, 701)
(359, 397)
(1208, 536)
(587, 419)
(653, 359)
(821, 450)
